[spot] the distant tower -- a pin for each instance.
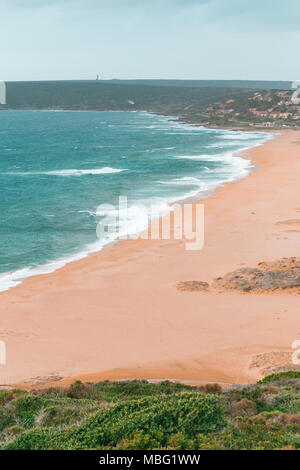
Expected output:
(2, 93)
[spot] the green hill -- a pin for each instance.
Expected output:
(209, 105)
(100, 95)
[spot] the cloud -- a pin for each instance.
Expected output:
(49, 39)
(271, 14)
(249, 14)
(100, 3)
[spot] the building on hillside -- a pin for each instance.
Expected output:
(2, 93)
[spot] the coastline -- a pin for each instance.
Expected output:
(178, 335)
(12, 279)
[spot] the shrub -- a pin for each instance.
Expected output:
(4, 395)
(291, 374)
(8, 395)
(58, 415)
(139, 440)
(245, 437)
(14, 430)
(143, 415)
(210, 388)
(190, 413)
(179, 441)
(256, 394)
(288, 402)
(78, 390)
(112, 391)
(244, 407)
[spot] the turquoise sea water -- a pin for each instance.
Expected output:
(56, 168)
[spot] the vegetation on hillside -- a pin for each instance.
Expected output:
(107, 96)
(141, 415)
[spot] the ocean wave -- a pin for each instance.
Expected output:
(72, 172)
(233, 166)
(232, 157)
(125, 222)
(234, 135)
(94, 171)
(14, 278)
(217, 157)
(220, 145)
(136, 218)
(186, 180)
(157, 149)
(202, 157)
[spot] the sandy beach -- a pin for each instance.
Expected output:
(118, 313)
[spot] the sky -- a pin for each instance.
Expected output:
(129, 39)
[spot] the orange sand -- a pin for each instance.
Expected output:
(117, 314)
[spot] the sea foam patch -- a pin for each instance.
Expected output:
(72, 172)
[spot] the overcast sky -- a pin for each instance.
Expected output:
(183, 39)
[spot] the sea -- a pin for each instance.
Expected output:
(62, 172)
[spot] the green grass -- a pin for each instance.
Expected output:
(141, 415)
(291, 374)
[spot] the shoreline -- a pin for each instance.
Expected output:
(53, 265)
(145, 319)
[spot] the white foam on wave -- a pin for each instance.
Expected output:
(73, 172)
(157, 149)
(14, 278)
(136, 218)
(130, 222)
(202, 157)
(186, 180)
(232, 169)
(93, 171)
(198, 187)
(226, 157)
(220, 145)
(240, 136)
(235, 166)
(124, 221)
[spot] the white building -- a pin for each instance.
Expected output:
(2, 93)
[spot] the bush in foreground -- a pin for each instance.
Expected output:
(142, 415)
